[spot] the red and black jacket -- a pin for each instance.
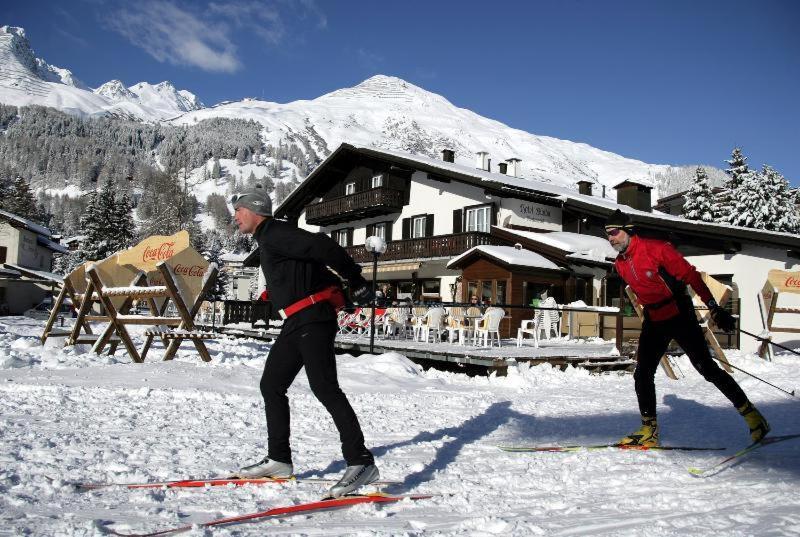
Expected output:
(658, 274)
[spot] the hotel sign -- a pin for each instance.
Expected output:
(531, 214)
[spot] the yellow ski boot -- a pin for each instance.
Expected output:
(757, 423)
(646, 436)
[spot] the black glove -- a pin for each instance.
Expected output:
(722, 317)
(362, 295)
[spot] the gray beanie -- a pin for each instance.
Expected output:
(256, 199)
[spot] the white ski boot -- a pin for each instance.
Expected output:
(267, 468)
(354, 477)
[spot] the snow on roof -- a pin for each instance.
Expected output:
(576, 245)
(643, 182)
(28, 224)
(234, 258)
(44, 275)
(511, 256)
(47, 243)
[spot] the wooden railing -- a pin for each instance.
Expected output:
(427, 247)
(372, 202)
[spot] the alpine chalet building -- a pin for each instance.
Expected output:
(454, 231)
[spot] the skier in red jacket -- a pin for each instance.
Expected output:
(659, 274)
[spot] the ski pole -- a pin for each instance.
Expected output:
(758, 378)
(768, 341)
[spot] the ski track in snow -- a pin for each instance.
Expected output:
(68, 415)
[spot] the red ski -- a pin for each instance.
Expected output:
(289, 510)
(218, 482)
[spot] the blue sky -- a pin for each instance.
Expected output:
(668, 82)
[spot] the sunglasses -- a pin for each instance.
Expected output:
(613, 232)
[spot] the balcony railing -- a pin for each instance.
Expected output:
(372, 202)
(427, 247)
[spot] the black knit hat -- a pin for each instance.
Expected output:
(619, 220)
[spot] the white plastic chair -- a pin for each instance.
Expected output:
(433, 320)
(530, 327)
(455, 324)
(551, 319)
(490, 324)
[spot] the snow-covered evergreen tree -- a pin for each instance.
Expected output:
(784, 202)
(737, 168)
(699, 204)
(737, 171)
(107, 224)
(213, 250)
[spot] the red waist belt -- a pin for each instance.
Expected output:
(332, 294)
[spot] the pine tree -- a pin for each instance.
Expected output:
(783, 214)
(20, 200)
(213, 252)
(107, 223)
(751, 203)
(699, 203)
(737, 168)
(727, 200)
(215, 169)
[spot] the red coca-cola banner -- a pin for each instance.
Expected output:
(159, 253)
(792, 281)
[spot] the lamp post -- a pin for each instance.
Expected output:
(376, 246)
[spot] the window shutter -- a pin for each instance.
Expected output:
(494, 214)
(429, 225)
(406, 228)
(370, 230)
(388, 231)
(333, 234)
(350, 236)
(458, 220)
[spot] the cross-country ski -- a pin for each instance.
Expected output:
(232, 481)
(738, 457)
(599, 447)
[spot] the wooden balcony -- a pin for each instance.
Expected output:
(372, 202)
(427, 247)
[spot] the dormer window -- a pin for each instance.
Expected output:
(349, 188)
(377, 180)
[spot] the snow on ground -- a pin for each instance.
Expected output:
(68, 415)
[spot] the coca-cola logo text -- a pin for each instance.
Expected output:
(792, 281)
(164, 251)
(194, 270)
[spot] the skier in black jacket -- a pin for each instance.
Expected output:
(299, 284)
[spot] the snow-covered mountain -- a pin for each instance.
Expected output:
(28, 80)
(163, 97)
(390, 113)
(382, 111)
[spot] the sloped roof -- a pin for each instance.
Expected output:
(533, 188)
(507, 255)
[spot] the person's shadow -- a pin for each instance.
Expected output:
(684, 422)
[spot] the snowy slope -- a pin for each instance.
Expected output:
(382, 111)
(68, 415)
(28, 80)
(390, 113)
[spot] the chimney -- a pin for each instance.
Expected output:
(514, 167)
(448, 155)
(502, 166)
(635, 194)
(484, 162)
(585, 187)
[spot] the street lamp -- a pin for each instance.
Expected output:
(376, 246)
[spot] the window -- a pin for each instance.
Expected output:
(478, 219)
(349, 188)
(380, 230)
(377, 180)
(341, 236)
(418, 227)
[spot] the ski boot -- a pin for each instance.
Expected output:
(354, 477)
(267, 468)
(646, 436)
(758, 425)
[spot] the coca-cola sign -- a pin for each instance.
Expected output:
(792, 281)
(159, 253)
(189, 270)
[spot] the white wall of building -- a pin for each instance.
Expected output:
(750, 268)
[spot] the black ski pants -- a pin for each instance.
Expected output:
(686, 331)
(309, 346)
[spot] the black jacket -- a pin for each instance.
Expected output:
(295, 264)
